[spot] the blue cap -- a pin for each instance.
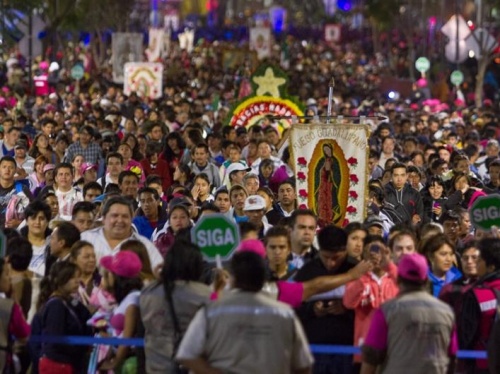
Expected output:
(99, 199)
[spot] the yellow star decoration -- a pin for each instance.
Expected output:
(268, 83)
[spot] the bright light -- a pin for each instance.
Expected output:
(471, 54)
(392, 95)
(470, 23)
(304, 43)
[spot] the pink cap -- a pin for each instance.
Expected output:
(87, 166)
(413, 267)
(124, 264)
(48, 167)
(252, 245)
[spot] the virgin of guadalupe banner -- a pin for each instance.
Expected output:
(144, 78)
(331, 170)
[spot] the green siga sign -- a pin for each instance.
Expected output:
(485, 212)
(217, 236)
(457, 77)
(77, 72)
(422, 64)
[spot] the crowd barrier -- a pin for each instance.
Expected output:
(139, 342)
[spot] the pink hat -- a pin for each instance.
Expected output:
(252, 245)
(48, 167)
(87, 166)
(476, 195)
(125, 264)
(413, 267)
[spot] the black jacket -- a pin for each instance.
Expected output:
(329, 329)
(428, 203)
(407, 202)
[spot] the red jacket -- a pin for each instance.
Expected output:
(162, 170)
(365, 295)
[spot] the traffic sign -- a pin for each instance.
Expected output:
(77, 72)
(485, 212)
(217, 236)
(457, 77)
(422, 64)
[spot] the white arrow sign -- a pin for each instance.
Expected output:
(450, 28)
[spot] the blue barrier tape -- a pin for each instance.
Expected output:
(138, 342)
(472, 354)
(87, 340)
(335, 349)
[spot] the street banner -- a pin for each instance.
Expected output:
(333, 33)
(126, 47)
(331, 170)
(155, 47)
(144, 78)
(261, 42)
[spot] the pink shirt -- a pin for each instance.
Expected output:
(288, 292)
(18, 325)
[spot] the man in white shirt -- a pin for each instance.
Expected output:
(66, 194)
(117, 227)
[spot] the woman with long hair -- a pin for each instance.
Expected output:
(60, 314)
(77, 163)
(201, 190)
(83, 255)
(440, 253)
(183, 175)
(133, 142)
(37, 177)
(461, 191)
(434, 199)
(38, 215)
(129, 163)
(37, 231)
(41, 147)
(356, 235)
(173, 149)
(179, 293)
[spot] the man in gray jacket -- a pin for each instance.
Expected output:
(246, 331)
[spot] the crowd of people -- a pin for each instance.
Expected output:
(98, 192)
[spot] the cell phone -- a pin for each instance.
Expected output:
(375, 248)
(435, 204)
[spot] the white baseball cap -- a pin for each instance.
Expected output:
(237, 166)
(254, 202)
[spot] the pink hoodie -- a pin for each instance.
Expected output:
(365, 295)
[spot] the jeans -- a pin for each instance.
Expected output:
(332, 364)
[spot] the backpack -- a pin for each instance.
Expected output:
(390, 210)
(469, 320)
